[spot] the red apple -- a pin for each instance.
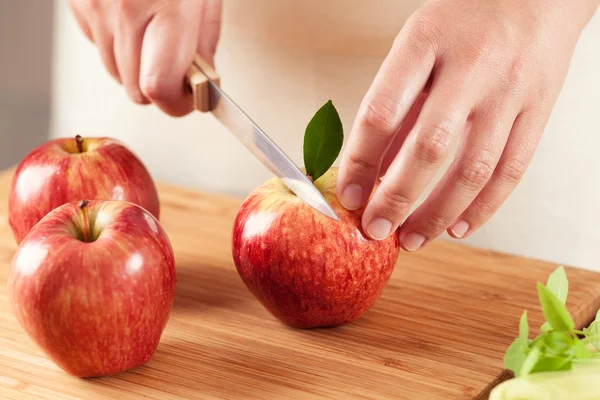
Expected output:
(71, 169)
(305, 268)
(93, 286)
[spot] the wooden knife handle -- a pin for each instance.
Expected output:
(197, 84)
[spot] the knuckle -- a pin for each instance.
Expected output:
(436, 223)
(94, 5)
(395, 201)
(516, 70)
(512, 171)
(482, 53)
(362, 166)
(423, 32)
(476, 53)
(432, 143)
(154, 88)
(127, 9)
(381, 114)
(483, 206)
(476, 171)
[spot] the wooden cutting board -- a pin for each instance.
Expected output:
(438, 332)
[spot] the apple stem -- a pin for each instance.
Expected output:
(83, 206)
(79, 141)
(310, 177)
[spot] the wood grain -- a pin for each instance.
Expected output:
(438, 332)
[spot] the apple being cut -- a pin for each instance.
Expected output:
(305, 268)
(72, 169)
(92, 284)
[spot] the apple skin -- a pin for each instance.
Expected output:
(305, 268)
(95, 308)
(56, 172)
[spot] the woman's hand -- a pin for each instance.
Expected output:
(485, 73)
(148, 45)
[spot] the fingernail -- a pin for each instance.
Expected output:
(413, 241)
(379, 228)
(352, 196)
(460, 228)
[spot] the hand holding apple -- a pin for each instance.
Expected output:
(93, 284)
(305, 268)
(70, 169)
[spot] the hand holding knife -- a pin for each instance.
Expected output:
(207, 95)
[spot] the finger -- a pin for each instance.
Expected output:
(105, 42)
(75, 6)
(398, 141)
(168, 49)
(129, 34)
(101, 27)
(210, 30)
(442, 118)
(524, 137)
(401, 78)
(477, 157)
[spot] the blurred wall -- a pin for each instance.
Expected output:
(26, 28)
(281, 60)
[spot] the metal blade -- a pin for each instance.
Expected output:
(263, 148)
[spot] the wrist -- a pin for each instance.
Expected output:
(576, 13)
(563, 20)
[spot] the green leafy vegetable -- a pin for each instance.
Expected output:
(515, 355)
(594, 330)
(554, 311)
(517, 352)
(557, 342)
(559, 346)
(524, 327)
(558, 363)
(558, 284)
(323, 141)
(531, 360)
(582, 352)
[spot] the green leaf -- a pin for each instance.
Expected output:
(524, 327)
(558, 341)
(323, 141)
(515, 355)
(537, 339)
(554, 311)
(560, 363)
(546, 327)
(581, 351)
(530, 361)
(593, 330)
(558, 348)
(558, 284)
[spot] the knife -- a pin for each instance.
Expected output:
(204, 85)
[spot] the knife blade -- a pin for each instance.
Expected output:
(208, 96)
